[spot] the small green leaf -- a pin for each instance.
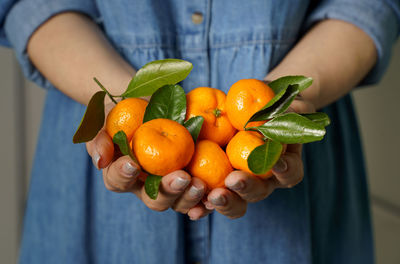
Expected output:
(291, 128)
(168, 102)
(276, 107)
(319, 118)
(194, 125)
(151, 185)
(122, 141)
(155, 75)
(264, 157)
(93, 119)
(277, 97)
(283, 82)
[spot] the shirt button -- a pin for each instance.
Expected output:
(197, 18)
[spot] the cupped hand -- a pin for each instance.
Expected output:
(178, 190)
(242, 187)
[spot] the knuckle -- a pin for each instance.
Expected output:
(226, 209)
(254, 199)
(239, 212)
(110, 187)
(248, 197)
(114, 185)
(243, 212)
(192, 199)
(118, 187)
(238, 215)
(230, 208)
(288, 182)
(290, 185)
(180, 210)
(294, 182)
(117, 182)
(126, 186)
(233, 217)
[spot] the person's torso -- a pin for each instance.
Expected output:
(225, 40)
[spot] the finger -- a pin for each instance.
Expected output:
(101, 149)
(226, 202)
(198, 211)
(121, 175)
(190, 197)
(250, 188)
(299, 105)
(289, 169)
(172, 186)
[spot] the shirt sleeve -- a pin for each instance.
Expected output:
(379, 19)
(5, 6)
(19, 19)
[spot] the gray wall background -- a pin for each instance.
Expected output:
(377, 106)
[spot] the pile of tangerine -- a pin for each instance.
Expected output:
(162, 146)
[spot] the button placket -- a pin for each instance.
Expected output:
(193, 40)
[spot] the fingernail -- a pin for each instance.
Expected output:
(195, 192)
(280, 166)
(219, 200)
(179, 184)
(209, 205)
(96, 159)
(129, 170)
(239, 185)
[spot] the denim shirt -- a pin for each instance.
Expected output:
(72, 218)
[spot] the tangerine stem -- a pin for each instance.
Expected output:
(105, 90)
(217, 112)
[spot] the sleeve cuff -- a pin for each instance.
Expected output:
(375, 18)
(26, 16)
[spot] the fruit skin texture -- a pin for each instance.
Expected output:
(240, 147)
(210, 104)
(162, 146)
(127, 116)
(210, 164)
(244, 98)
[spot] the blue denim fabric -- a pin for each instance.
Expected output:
(72, 218)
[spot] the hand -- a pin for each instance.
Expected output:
(243, 187)
(178, 189)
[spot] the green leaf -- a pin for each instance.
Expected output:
(264, 157)
(168, 102)
(122, 141)
(194, 125)
(156, 74)
(152, 185)
(291, 128)
(319, 118)
(283, 82)
(276, 107)
(93, 119)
